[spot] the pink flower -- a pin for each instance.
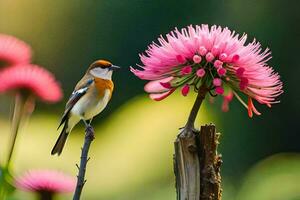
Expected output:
(221, 71)
(226, 100)
(13, 51)
(46, 181)
(244, 82)
(209, 57)
(217, 82)
(166, 85)
(197, 59)
(219, 90)
(200, 72)
(186, 70)
(158, 89)
(242, 67)
(240, 72)
(36, 80)
(218, 64)
(185, 90)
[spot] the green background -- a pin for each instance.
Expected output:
(134, 136)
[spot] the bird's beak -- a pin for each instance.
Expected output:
(114, 67)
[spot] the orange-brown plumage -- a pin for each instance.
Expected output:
(102, 85)
(100, 63)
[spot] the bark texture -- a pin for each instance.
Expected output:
(197, 164)
(210, 162)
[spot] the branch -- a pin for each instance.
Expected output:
(89, 137)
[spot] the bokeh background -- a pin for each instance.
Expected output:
(131, 157)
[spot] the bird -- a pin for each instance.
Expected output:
(90, 96)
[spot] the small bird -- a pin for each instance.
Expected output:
(89, 98)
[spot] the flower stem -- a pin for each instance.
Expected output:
(193, 114)
(16, 121)
(89, 137)
(45, 195)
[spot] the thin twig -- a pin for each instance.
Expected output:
(89, 137)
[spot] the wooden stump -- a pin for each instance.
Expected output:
(197, 164)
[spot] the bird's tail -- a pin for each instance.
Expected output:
(60, 143)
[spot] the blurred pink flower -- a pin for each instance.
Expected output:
(33, 78)
(46, 181)
(226, 100)
(13, 51)
(197, 55)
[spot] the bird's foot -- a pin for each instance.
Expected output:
(89, 130)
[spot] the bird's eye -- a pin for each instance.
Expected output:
(104, 67)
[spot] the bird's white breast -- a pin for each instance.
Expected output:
(89, 106)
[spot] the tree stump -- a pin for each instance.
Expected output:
(197, 164)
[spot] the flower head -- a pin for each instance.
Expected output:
(31, 78)
(13, 51)
(45, 181)
(213, 57)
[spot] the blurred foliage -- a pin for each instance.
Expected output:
(132, 153)
(6, 182)
(68, 35)
(274, 178)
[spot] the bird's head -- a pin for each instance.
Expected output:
(102, 69)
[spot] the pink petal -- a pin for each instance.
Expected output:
(202, 51)
(166, 85)
(14, 51)
(186, 70)
(200, 72)
(197, 59)
(209, 57)
(219, 90)
(35, 79)
(223, 57)
(217, 82)
(185, 90)
(225, 106)
(161, 96)
(221, 71)
(235, 58)
(229, 96)
(218, 64)
(156, 86)
(47, 181)
(240, 71)
(243, 83)
(180, 59)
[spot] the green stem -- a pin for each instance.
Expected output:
(16, 121)
(193, 114)
(45, 195)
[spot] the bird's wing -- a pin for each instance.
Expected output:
(80, 89)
